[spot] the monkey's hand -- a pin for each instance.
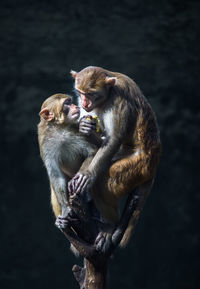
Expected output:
(103, 242)
(78, 184)
(90, 126)
(63, 222)
(87, 125)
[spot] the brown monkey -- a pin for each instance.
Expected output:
(62, 147)
(131, 136)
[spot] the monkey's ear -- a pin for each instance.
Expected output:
(73, 73)
(46, 114)
(111, 80)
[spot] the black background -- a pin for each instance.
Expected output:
(157, 44)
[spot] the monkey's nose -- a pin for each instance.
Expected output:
(86, 103)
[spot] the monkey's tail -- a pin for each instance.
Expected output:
(129, 231)
(143, 192)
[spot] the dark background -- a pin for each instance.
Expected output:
(157, 44)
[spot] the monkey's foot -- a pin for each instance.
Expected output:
(103, 242)
(63, 222)
(79, 274)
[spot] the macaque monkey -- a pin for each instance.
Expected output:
(131, 149)
(63, 148)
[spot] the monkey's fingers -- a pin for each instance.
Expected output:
(86, 122)
(77, 180)
(72, 198)
(71, 186)
(87, 130)
(71, 221)
(98, 238)
(61, 223)
(82, 185)
(86, 125)
(107, 243)
(103, 242)
(71, 201)
(99, 241)
(87, 118)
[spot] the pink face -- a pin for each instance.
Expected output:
(93, 90)
(71, 110)
(74, 112)
(86, 102)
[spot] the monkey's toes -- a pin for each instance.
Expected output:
(61, 223)
(103, 242)
(75, 200)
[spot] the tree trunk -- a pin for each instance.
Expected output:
(94, 274)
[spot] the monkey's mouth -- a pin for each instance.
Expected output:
(88, 109)
(76, 114)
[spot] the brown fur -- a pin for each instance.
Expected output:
(134, 142)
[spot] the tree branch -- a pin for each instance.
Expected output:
(94, 273)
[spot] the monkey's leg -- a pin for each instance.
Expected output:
(129, 172)
(55, 204)
(123, 174)
(124, 229)
(63, 218)
(66, 221)
(108, 207)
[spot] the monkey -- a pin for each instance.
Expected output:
(131, 149)
(63, 148)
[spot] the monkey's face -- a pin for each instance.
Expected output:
(70, 110)
(59, 109)
(92, 93)
(92, 85)
(91, 99)
(91, 88)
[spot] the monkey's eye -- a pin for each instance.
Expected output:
(66, 105)
(68, 101)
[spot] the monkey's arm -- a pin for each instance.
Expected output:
(92, 167)
(58, 183)
(79, 182)
(116, 129)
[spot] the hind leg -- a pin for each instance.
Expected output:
(55, 204)
(129, 172)
(108, 207)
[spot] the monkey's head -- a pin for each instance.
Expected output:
(59, 109)
(93, 85)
